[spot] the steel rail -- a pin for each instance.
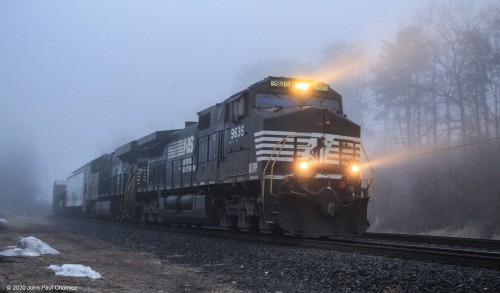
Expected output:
(440, 240)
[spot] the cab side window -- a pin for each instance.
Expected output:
(235, 109)
(204, 121)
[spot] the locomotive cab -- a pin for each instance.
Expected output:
(308, 159)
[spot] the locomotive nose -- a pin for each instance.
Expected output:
(312, 119)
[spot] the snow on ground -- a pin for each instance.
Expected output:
(2, 220)
(75, 270)
(29, 246)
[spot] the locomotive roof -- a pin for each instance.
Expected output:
(154, 137)
(264, 83)
(126, 148)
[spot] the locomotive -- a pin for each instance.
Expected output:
(279, 156)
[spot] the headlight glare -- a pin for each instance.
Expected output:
(304, 168)
(302, 86)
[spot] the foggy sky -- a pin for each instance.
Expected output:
(80, 78)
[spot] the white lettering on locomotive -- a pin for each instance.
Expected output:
(252, 167)
(187, 165)
(238, 131)
(181, 147)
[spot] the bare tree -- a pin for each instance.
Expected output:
(400, 79)
(461, 55)
(492, 31)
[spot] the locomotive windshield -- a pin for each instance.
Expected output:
(270, 101)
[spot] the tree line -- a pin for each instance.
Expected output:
(438, 80)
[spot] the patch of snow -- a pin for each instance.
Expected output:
(2, 220)
(29, 246)
(75, 270)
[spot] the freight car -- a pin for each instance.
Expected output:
(58, 196)
(279, 156)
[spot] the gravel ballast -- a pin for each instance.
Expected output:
(257, 267)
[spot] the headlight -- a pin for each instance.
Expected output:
(304, 165)
(302, 85)
(355, 168)
(304, 168)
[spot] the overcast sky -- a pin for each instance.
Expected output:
(80, 78)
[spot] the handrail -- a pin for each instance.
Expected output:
(129, 188)
(373, 181)
(282, 143)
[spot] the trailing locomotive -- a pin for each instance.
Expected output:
(278, 156)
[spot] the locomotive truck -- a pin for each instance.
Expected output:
(279, 156)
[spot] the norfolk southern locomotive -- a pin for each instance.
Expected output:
(278, 156)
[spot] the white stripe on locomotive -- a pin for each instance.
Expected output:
(267, 142)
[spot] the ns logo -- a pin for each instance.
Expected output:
(189, 145)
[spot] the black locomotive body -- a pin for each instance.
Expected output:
(278, 156)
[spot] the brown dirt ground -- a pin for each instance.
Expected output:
(122, 271)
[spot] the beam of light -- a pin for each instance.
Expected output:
(392, 159)
(338, 71)
(345, 65)
(412, 154)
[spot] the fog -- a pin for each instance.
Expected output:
(80, 78)
(447, 192)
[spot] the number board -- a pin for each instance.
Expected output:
(281, 83)
(321, 87)
(288, 83)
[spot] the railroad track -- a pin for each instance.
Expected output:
(438, 240)
(467, 254)
(463, 256)
(442, 254)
